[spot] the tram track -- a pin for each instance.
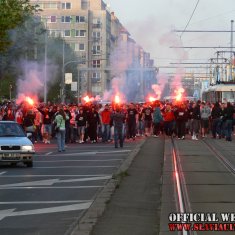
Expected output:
(199, 170)
(230, 166)
(180, 186)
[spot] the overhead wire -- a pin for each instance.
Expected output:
(190, 18)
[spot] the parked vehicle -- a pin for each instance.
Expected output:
(15, 146)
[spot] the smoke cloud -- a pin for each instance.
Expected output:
(31, 82)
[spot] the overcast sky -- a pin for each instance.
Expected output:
(150, 23)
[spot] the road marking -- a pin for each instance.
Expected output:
(5, 213)
(52, 187)
(48, 153)
(73, 207)
(88, 153)
(45, 202)
(3, 172)
(105, 160)
(57, 167)
(50, 182)
(120, 151)
(17, 176)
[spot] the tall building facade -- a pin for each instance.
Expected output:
(94, 33)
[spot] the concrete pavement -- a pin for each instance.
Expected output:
(134, 209)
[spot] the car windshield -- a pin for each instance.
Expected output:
(11, 130)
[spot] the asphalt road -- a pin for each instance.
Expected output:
(48, 198)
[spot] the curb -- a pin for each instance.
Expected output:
(90, 217)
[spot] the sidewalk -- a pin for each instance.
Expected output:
(134, 209)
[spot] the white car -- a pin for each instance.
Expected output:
(15, 146)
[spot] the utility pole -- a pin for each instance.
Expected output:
(63, 75)
(231, 54)
(45, 66)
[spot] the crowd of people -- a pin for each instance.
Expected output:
(111, 122)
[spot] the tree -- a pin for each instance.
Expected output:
(12, 14)
(28, 44)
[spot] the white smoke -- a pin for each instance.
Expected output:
(31, 82)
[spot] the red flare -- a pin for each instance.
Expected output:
(152, 99)
(179, 94)
(86, 99)
(29, 100)
(117, 99)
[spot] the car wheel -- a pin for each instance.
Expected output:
(13, 164)
(29, 164)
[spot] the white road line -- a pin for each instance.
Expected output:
(105, 160)
(49, 182)
(73, 207)
(72, 154)
(31, 176)
(3, 172)
(44, 202)
(120, 151)
(57, 167)
(87, 153)
(53, 187)
(48, 153)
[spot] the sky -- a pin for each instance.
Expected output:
(151, 24)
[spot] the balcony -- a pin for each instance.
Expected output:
(96, 25)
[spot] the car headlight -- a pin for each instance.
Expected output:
(27, 147)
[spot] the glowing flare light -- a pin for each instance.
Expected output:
(86, 99)
(29, 100)
(117, 99)
(152, 99)
(179, 94)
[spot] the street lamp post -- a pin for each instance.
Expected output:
(45, 66)
(63, 75)
(10, 88)
(231, 55)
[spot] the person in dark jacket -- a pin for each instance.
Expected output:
(93, 121)
(118, 118)
(181, 115)
(131, 121)
(47, 124)
(216, 114)
(228, 118)
(81, 120)
(28, 124)
(157, 120)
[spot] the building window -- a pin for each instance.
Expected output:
(67, 33)
(66, 19)
(81, 47)
(84, 4)
(52, 19)
(80, 19)
(66, 5)
(96, 49)
(55, 33)
(96, 77)
(97, 23)
(80, 33)
(96, 63)
(50, 5)
(96, 34)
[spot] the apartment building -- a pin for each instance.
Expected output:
(93, 32)
(86, 27)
